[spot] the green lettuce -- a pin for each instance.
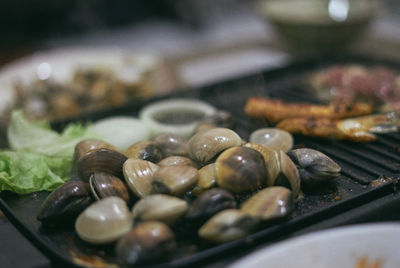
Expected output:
(23, 172)
(40, 158)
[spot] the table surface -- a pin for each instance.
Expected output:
(243, 39)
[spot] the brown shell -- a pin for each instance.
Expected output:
(104, 185)
(240, 169)
(174, 180)
(101, 160)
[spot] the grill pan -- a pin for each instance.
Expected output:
(370, 171)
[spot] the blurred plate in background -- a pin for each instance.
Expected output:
(66, 82)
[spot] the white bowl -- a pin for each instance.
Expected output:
(353, 246)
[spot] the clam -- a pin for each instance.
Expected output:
(176, 161)
(88, 145)
(207, 179)
(171, 144)
(159, 207)
(138, 175)
(101, 160)
(240, 169)
(271, 158)
(270, 203)
(288, 175)
(65, 203)
(314, 167)
(204, 145)
(228, 225)
(273, 138)
(145, 150)
(104, 221)
(209, 203)
(174, 180)
(146, 243)
(103, 185)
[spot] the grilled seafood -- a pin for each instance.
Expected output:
(104, 221)
(314, 167)
(355, 129)
(275, 110)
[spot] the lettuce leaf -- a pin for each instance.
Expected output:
(30, 137)
(23, 172)
(41, 159)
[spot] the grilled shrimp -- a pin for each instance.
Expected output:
(354, 129)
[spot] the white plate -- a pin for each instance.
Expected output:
(61, 64)
(368, 244)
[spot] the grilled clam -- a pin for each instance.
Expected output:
(174, 180)
(240, 169)
(176, 161)
(88, 145)
(204, 145)
(103, 185)
(314, 167)
(138, 175)
(101, 160)
(209, 203)
(228, 225)
(207, 179)
(65, 203)
(145, 150)
(271, 158)
(171, 144)
(270, 203)
(104, 221)
(159, 207)
(273, 138)
(288, 175)
(146, 243)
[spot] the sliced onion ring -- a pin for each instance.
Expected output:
(150, 113)
(121, 131)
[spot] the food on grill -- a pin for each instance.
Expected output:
(138, 175)
(359, 129)
(348, 83)
(273, 138)
(159, 207)
(104, 221)
(145, 150)
(280, 169)
(269, 204)
(275, 110)
(146, 243)
(205, 145)
(103, 185)
(213, 186)
(63, 205)
(228, 225)
(210, 203)
(101, 160)
(174, 180)
(314, 167)
(241, 169)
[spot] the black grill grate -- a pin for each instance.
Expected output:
(369, 170)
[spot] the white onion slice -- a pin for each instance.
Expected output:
(121, 131)
(150, 113)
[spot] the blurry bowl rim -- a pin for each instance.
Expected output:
(266, 10)
(147, 115)
(332, 248)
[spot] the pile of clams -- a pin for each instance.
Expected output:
(219, 185)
